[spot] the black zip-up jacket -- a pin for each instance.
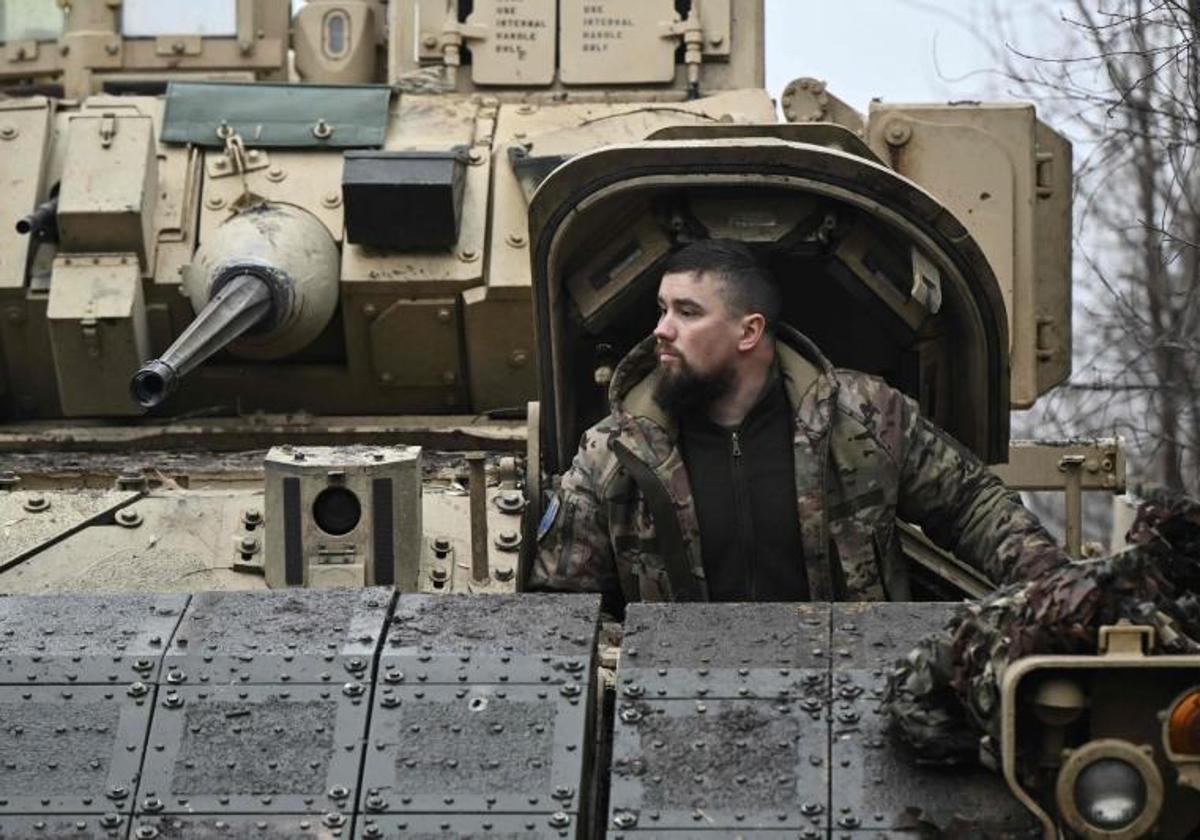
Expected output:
(745, 492)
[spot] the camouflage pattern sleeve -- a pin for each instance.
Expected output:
(574, 550)
(963, 507)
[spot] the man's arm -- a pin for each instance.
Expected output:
(963, 507)
(574, 551)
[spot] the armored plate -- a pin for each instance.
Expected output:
(445, 749)
(473, 826)
(282, 636)
(875, 784)
(241, 827)
(72, 750)
(719, 722)
(724, 764)
(171, 540)
(30, 520)
(269, 114)
(515, 639)
(48, 639)
(254, 750)
(756, 834)
(724, 650)
(60, 826)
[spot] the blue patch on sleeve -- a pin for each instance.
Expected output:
(548, 517)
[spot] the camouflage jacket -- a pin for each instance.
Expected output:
(624, 522)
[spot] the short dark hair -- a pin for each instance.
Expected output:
(747, 285)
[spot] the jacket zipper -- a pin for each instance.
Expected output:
(742, 513)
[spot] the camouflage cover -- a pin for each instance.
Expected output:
(624, 522)
(945, 696)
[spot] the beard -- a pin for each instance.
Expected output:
(681, 390)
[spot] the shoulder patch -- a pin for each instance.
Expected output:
(548, 518)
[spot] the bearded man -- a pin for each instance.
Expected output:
(737, 464)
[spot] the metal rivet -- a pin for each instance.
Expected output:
(37, 504)
(128, 518)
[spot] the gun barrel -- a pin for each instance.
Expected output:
(42, 223)
(239, 305)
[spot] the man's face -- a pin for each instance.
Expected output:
(697, 340)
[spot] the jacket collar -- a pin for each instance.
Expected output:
(631, 393)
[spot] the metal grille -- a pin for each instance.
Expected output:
(81, 639)
(273, 638)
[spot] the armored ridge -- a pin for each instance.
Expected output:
(360, 713)
(299, 714)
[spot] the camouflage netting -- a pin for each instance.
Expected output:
(944, 699)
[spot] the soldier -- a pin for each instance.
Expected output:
(737, 464)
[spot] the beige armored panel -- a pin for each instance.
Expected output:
(109, 185)
(25, 134)
(343, 516)
(633, 45)
(97, 320)
(510, 43)
(1007, 178)
(619, 42)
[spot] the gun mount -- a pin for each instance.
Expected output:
(264, 286)
(42, 223)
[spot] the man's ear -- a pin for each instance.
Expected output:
(754, 328)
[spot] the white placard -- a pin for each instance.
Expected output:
(30, 20)
(151, 18)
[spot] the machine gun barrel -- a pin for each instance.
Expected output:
(241, 304)
(42, 223)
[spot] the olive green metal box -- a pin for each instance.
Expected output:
(343, 516)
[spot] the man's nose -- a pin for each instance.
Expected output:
(664, 330)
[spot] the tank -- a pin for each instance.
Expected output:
(302, 314)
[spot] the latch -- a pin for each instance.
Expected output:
(91, 337)
(236, 159)
(1125, 639)
(1044, 168)
(107, 129)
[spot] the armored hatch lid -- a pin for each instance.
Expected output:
(277, 114)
